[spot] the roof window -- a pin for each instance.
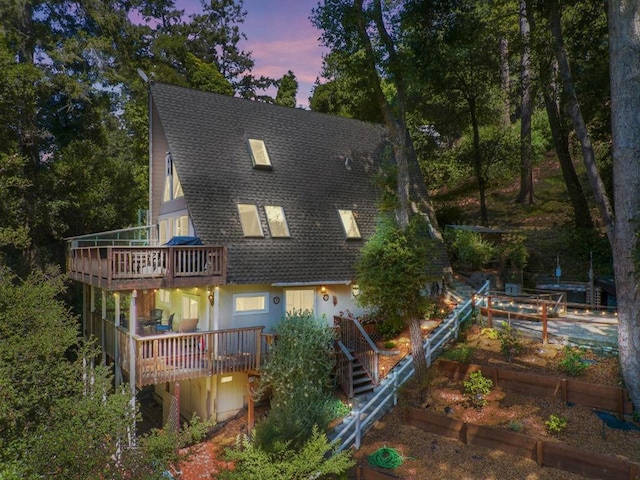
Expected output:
(349, 224)
(277, 221)
(250, 220)
(259, 154)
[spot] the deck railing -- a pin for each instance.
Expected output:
(180, 356)
(170, 266)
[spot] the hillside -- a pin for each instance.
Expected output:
(546, 225)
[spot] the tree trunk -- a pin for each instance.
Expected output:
(477, 163)
(624, 58)
(505, 81)
(417, 347)
(526, 170)
(599, 192)
(581, 214)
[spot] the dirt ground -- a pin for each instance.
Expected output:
(430, 456)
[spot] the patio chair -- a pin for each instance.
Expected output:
(168, 326)
(156, 315)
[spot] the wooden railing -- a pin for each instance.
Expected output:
(344, 368)
(180, 356)
(173, 266)
(360, 345)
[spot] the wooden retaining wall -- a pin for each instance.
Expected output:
(613, 399)
(545, 453)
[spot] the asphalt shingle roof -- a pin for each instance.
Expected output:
(208, 137)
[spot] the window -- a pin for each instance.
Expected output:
(164, 296)
(277, 221)
(250, 220)
(300, 299)
(349, 224)
(173, 226)
(250, 303)
(189, 306)
(259, 155)
(172, 186)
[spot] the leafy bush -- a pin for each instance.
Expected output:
(491, 333)
(572, 362)
(471, 249)
(463, 354)
(477, 388)
(298, 374)
(390, 326)
(337, 409)
(510, 344)
(515, 426)
(513, 251)
(284, 463)
(556, 424)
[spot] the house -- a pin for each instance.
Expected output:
(254, 210)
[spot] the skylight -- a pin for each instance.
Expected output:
(349, 224)
(277, 221)
(250, 220)
(259, 154)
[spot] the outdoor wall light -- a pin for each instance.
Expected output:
(323, 289)
(211, 298)
(355, 290)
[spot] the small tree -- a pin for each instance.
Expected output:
(298, 375)
(393, 273)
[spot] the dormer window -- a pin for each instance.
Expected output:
(172, 186)
(259, 154)
(250, 220)
(349, 224)
(277, 221)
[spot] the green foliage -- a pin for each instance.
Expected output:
(470, 249)
(491, 333)
(390, 325)
(572, 362)
(513, 251)
(477, 388)
(515, 426)
(336, 408)
(556, 424)
(298, 375)
(392, 270)
(510, 344)
(317, 458)
(461, 353)
(287, 90)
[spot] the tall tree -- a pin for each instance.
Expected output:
(349, 27)
(575, 113)
(624, 54)
(525, 195)
(287, 90)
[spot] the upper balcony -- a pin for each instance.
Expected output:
(132, 259)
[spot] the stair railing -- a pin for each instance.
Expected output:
(344, 368)
(364, 416)
(357, 341)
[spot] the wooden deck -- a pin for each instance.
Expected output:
(180, 356)
(143, 267)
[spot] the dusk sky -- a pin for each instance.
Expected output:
(281, 38)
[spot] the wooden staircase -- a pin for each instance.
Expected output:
(361, 380)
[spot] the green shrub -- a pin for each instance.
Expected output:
(389, 345)
(298, 375)
(510, 344)
(390, 326)
(284, 463)
(513, 251)
(491, 333)
(515, 426)
(337, 409)
(477, 388)
(572, 362)
(471, 249)
(556, 424)
(462, 353)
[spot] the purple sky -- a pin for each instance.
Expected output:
(281, 38)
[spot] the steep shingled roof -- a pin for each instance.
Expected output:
(208, 137)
